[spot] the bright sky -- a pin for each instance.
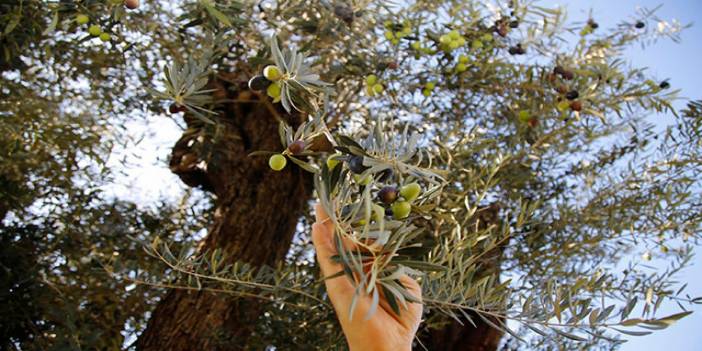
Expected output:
(681, 63)
(148, 176)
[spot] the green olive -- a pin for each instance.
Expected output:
(371, 79)
(272, 73)
(82, 19)
(524, 116)
(410, 191)
(401, 209)
(274, 90)
(362, 180)
(94, 30)
(277, 162)
(332, 161)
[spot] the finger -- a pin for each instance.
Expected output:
(414, 317)
(322, 240)
(322, 217)
(340, 289)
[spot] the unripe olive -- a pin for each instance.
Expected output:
(105, 37)
(82, 19)
(332, 161)
(371, 79)
(274, 90)
(388, 194)
(410, 191)
(524, 116)
(401, 209)
(362, 180)
(277, 162)
(272, 73)
(94, 30)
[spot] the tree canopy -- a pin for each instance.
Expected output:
(496, 151)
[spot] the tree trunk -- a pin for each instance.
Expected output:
(257, 210)
(256, 214)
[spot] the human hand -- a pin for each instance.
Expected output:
(385, 330)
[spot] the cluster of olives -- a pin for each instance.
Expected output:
(399, 201)
(451, 41)
(461, 66)
(395, 31)
(571, 96)
(270, 81)
(95, 30)
(373, 85)
(517, 50)
(421, 49)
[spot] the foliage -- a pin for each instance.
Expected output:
(544, 189)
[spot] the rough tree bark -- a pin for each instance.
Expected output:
(257, 210)
(256, 214)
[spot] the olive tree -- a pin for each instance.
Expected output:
(497, 152)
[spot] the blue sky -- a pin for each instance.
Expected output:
(682, 64)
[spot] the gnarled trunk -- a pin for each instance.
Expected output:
(257, 210)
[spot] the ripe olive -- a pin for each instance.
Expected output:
(356, 164)
(568, 75)
(131, 4)
(572, 95)
(297, 147)
(259, 83)
(388, 194)
(576, 105)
